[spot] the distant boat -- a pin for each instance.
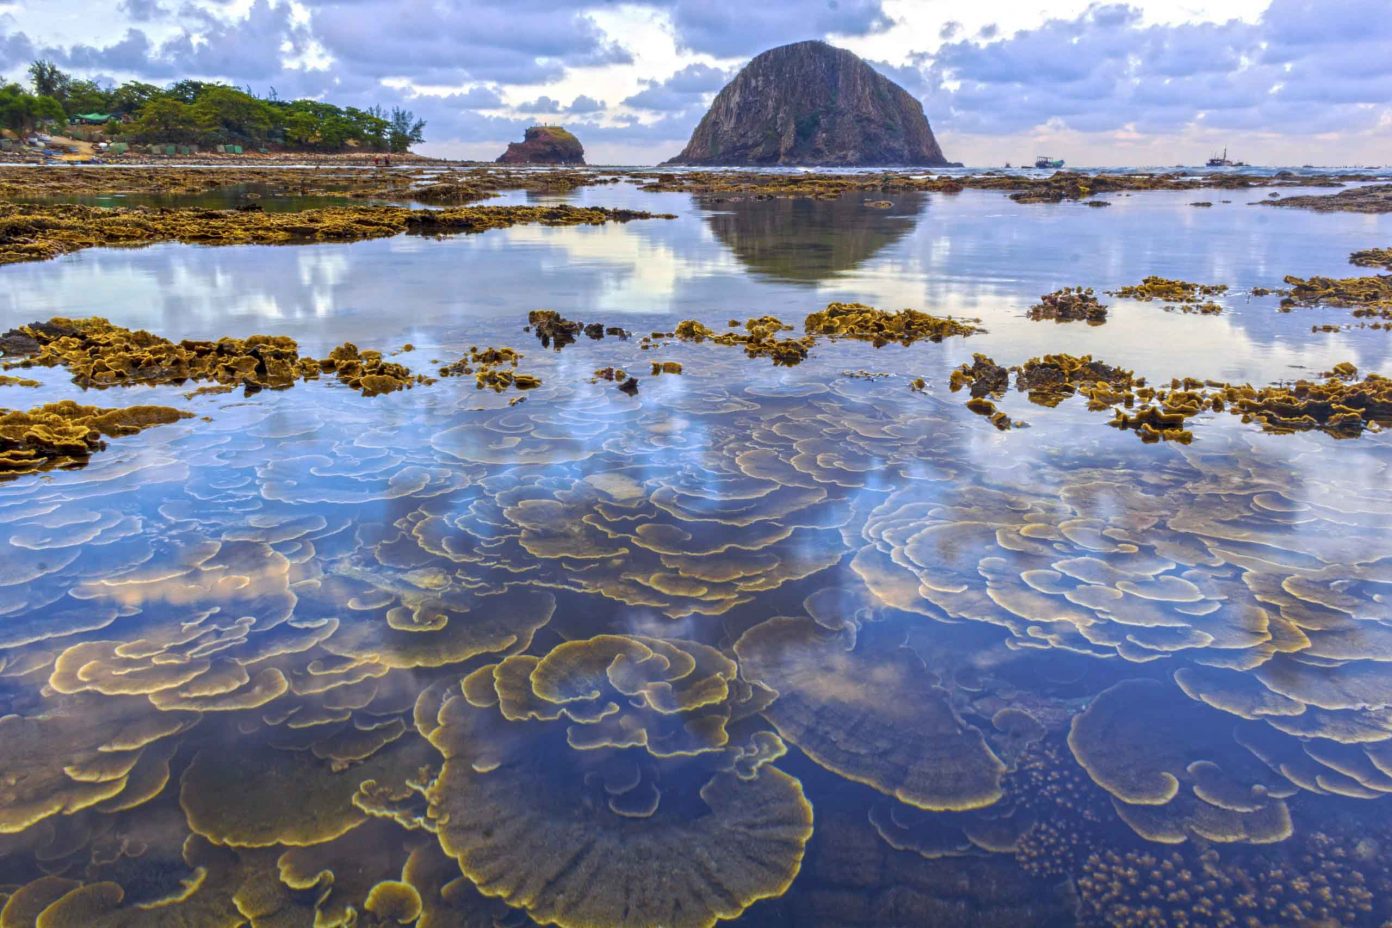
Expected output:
(1221, 161)
(1044, 161)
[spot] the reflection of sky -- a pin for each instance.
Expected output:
(974, 254)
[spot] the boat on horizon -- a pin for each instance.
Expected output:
(1221, 161)
(1044, 161)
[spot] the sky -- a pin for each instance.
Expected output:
(1141, 82)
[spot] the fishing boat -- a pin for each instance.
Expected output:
(1221, 161)
(1044, 161)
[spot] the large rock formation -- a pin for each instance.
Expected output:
(545, 145)
(812, 104)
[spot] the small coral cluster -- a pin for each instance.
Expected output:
(494, 368)
(838, 320)
(1179, 889)
(1071, 304)
(856, 320)
(1176, 294)
(1339, 404)
(100, 354)
(759, 340)
(1366, 296)
(67, 433)
(554, 330)
(1372, 257)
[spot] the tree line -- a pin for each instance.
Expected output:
(193, 112)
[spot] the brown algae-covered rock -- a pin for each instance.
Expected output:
(1071, 304)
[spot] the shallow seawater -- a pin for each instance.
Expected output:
(788, 646)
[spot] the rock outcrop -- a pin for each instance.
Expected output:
(545, 145)
(812, 104)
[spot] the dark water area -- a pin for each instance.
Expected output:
(786, 646)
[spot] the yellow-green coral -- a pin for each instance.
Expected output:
(67, 433)
(856, 320)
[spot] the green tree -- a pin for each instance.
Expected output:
(404, 130)
(21, 111)
(48, 80)
(86, 97)
(225, 114)
(132, 96)
(164, 119)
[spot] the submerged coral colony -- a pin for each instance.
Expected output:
(101, 355)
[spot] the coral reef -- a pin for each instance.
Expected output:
(1372, 198)
(1071, 304)
(1372, 257)
(493, 368)
(1366, 296)
(759, 340)
(856, 320)
(1338, 404)
(36, 233)
(555, 331)
(1187, 297)
(99, 355)
(1324, 885)
(1025, 188)
(66, 434)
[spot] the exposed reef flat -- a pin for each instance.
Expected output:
(1376, 198)
(36, 233)
(434, 185)
(1061, 186)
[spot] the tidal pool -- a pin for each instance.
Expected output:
(788, 646)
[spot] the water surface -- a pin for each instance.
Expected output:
(789, 646)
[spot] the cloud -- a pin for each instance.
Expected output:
(452, 41)
(586, 104)
(737, 28)
(687, 87)
(1304, 66)
(143, 11)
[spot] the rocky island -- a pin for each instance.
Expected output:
(545, 145)
(810, 103)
